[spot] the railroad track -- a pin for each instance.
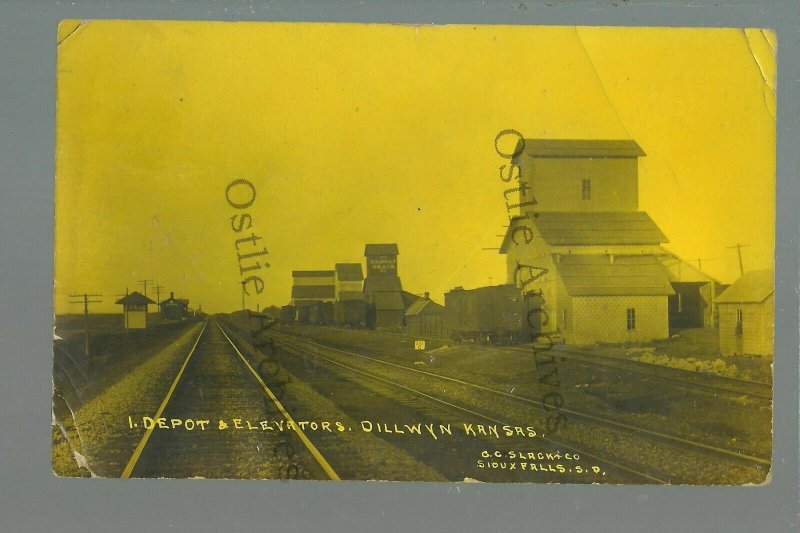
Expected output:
(439, 409)
(216, 381)
(713, 384)
(654, 436)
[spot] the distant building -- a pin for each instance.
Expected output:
(382, 287)
(174, 308)
(312, 286)
(134, 310)
(747, 315)
(389, 309)
(348, 281)
(425, 317)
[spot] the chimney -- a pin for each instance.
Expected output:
(427, 296)
(171, 295)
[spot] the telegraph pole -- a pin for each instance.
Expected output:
(84, 299)
(739, 251)
(144, 283)
(158, 289)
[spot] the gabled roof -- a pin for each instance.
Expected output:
(680, 270)
(581, 148)
(596, 275)
(175, 301)
(312, 273)
(388, 301)
(589, 228)
(408, 298)
(422, 306)
(753, 287)
(382, 283)
(381, 249)
(135, 298)
(349, 272)
(313, 291)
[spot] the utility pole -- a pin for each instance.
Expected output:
(706, 259)
(144, 282)
(243, 293)
(84, 299)
(158, 289)
(739, 247)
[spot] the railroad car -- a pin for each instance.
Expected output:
(322, 313)
(494, 314)
(303, 314)
(350, 313)
(287, 315)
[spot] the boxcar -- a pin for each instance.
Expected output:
(303, 314)
(489, 315)
(322, 313)
(287, 314)
(350, 313)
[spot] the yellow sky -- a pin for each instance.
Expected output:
(357, 133)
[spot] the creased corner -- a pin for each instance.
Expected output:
(67, 28)
(763, 47)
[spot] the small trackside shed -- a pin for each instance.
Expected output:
(425, 317)
(134, 310)
(747, 315)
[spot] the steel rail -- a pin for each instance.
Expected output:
(539, 405)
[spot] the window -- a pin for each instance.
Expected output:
(631, 319)
(586, 189)
(738, 322)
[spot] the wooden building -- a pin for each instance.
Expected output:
(388, 310)
(747, 315)
(134, 310)
(425, 318)
(311, 286)
(592, 251)
(348, 281)
(590, 248)
(383, 290)
(578, 175)
(174, 308)
(615, 300)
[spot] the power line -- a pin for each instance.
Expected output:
(144, 283)
(85, 300)
(158, 289)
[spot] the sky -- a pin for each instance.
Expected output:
(371, 133)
